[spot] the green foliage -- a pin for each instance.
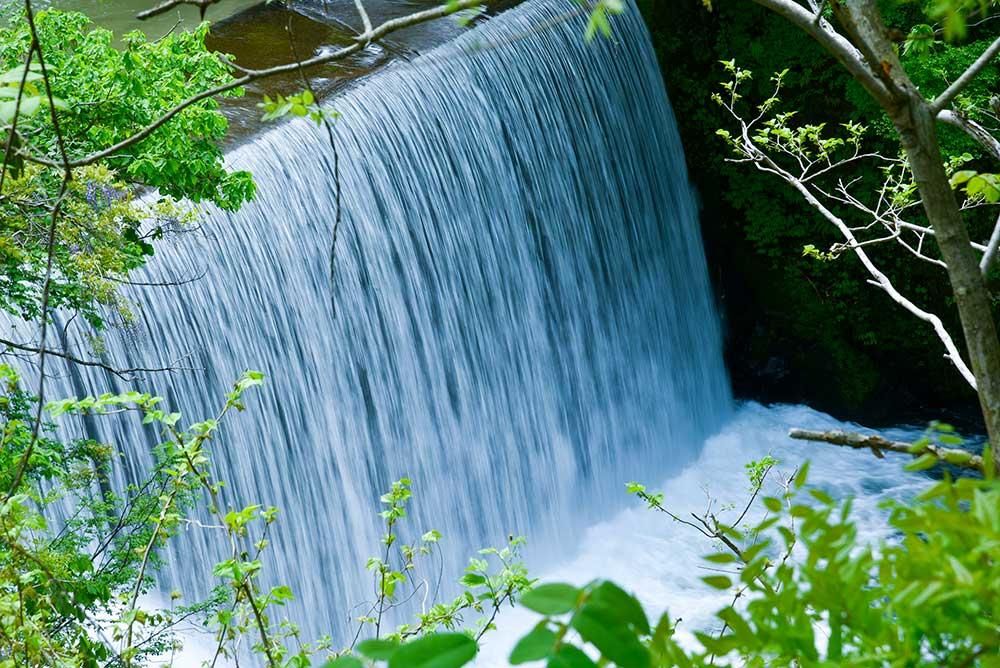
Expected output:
(927, 596)
(101, 236)
(112, 93)
(18, 83)
(103, 95)
(954, 15)
(62, 586)
(551, 599)
(300, 104)
(758, 469)
(485, 587)
(61, 582)
(599, 17)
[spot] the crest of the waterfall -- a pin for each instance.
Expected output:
(520, 317)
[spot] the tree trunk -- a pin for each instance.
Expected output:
(916, 123)
(918, 135)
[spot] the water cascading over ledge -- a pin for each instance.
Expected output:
(520, 318)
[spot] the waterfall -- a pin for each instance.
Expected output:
(519, 316)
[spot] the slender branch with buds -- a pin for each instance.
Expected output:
(805, 159)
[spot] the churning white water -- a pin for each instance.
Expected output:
(661, 561)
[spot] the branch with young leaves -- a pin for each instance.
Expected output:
(186, 466)
(811, 160)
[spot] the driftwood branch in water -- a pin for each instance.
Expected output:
(879, 444)
(202, 5)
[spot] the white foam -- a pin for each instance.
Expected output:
(659, 560)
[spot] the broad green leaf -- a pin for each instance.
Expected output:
(346, 661)
(380, 650)
(438, 650)
(29, 105)
(975, 185)
(958, 178)
(802, 475)
(551, 599)
(611, 635)
(720, 558)
(622, 604)
(15, 75)
(535, 646)
(922, 463)
(7, 112)
(717, 581)
(569, 656)
(472, 580)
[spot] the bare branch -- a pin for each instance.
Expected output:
(12, 131)
(976, 131)
(877, 444)
(67, 175)
(919, 254)
(360, 42)
(367, 22)
(927, 230)
(944, 99)
(882, 280)
(124, 374)
(838, 46)
(166, 6)
(991, 249)
(161, 284)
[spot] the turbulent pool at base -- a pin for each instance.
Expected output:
(518, 318)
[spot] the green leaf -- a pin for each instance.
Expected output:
(720, 558)
(472, 580)
(534, 646)
(622, 604)
(634, 488)
(346, 661)
(7, 112)
(802, 475)
(922, 463)
(957, 457)
(616, 640)
(380, 650)
(975, 185)
(15, 76)
(958, 178)
(717, 581)
(569, 656)
(738, 625)
(438, 650)
(29, 105)
(551, 599)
